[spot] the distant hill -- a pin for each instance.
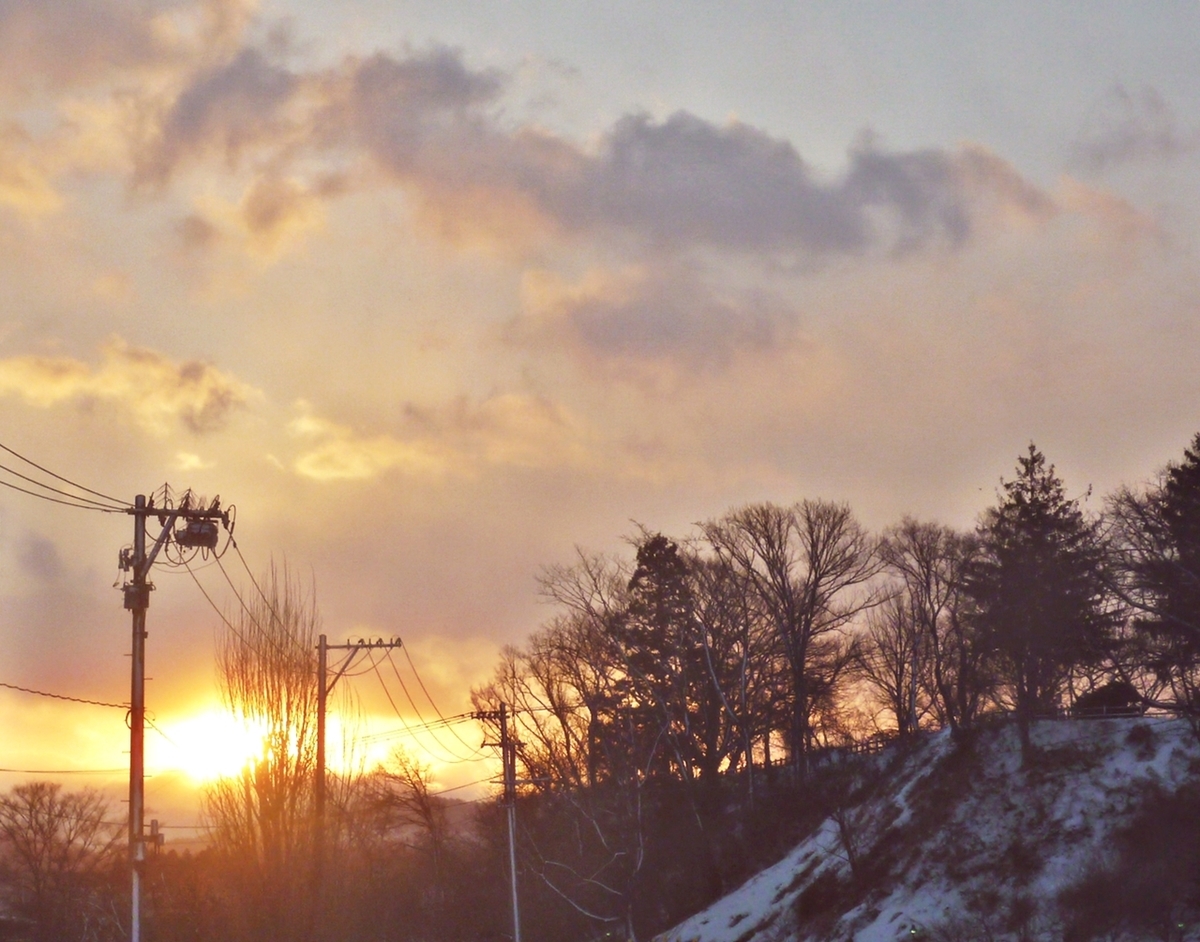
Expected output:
(1097, 836)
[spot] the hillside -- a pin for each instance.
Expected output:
(960, 841)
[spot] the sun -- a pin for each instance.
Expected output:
(209, 745)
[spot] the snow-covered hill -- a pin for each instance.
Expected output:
(960, 841)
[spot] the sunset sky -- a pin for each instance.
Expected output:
(435, 291)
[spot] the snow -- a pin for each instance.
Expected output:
(1003, 830)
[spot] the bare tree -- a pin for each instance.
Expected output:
(401, 792)
(931, 561)
(56, 850)
(261, 821)
(892, 660)
(809, 565)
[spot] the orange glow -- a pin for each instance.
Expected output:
(208, 745)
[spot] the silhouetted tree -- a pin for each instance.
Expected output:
(892, 657)
(808, 565)
(261, 820)
(931, 561)
(1154, 539)
(57, 853)
(1039, 585)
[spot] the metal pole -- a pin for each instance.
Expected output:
(136, 599)
(508, 757)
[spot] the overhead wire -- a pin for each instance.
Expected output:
(63, 696)
(388, 734)
(454, 760)
(221, 615)
(55, 490)
(246, 608)
(65, 503)
(425, 690)
(249, 572)
(478, 753)
(59, 477)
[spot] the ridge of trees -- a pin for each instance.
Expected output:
(672, 717)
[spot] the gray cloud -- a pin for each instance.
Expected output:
(430, 121)
(679, 181)
(662, 313)
(1131, 126)
(227, 108)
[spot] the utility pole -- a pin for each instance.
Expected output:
(200, 532)
(325, 687)
(508, 762)
(508, 755)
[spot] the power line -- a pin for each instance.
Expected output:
(66, 771)
(36, 483)
(63, 696)
(246, 608)
(237, 549)
(388, 734)
(413, 704)
(221, 615)
(452, 761)
(425, 690)
(59, 477)
(65, 503)
(457, 788)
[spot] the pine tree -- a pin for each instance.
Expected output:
(1155, 543)
(1039, 589)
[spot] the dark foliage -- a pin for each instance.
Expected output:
(1039, 586)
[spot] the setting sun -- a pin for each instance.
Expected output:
(209, 745)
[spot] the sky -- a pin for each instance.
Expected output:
(436, 292)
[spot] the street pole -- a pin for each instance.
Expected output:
(201, 532)
(324, 688)
(137, 598)
(508, 758)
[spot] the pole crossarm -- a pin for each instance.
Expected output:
(355, 648)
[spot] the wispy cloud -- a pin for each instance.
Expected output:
(460, 438)
(158, 392)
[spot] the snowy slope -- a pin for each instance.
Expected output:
(958, 842)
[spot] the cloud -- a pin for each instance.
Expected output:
(225, 109)
(272, 215)
(649, 313)
(1113, 218)
(509, 430)
(338, 454)
(431, 123)
(157, 391)
(1132, 126)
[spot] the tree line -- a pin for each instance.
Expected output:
(673, 718)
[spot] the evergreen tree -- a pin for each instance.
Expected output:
(1155, 543)
(1038, 584)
